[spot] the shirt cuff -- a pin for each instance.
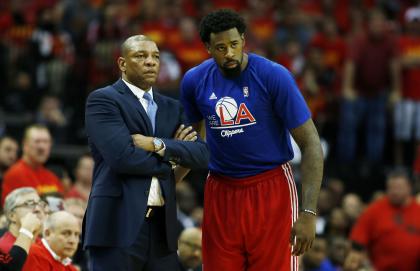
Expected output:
(161, 152)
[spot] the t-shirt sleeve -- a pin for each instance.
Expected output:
(288, 102)
(188, 98)
(361, 230)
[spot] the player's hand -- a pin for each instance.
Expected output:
(185, 133)
(143, 142)
(303, 233)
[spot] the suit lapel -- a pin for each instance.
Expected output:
(132, 100)
(160, 114)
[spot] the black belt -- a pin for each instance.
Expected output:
(152, 210)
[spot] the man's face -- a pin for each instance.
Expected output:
(25, 204)
(398, 190)
(226, 48)
(318, 252)
(78, 212)
(37, 146)
(84, 170)
(140, 64)
(189, 250)
(64, 237)
(8, 152)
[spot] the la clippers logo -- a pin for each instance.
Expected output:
(232, 116)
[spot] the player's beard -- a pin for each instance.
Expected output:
(233, 72)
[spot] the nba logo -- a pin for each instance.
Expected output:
(245, 91)
(230, 113)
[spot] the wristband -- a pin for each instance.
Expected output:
(26, 233)
(309, 212)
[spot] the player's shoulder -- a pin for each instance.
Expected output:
(264, 65)
(200, 70)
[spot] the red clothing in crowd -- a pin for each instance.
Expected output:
(21, 175)
(390, 234)
(410, 46)
(372, 59)
(40, 259)
(8, 240)
(74, 193)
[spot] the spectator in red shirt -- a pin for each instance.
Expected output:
(17, 205)
(30, 170)
(83, 182)
(407, 111)
(16, 257)
(370, 75)
(389, 228)
(61, 236)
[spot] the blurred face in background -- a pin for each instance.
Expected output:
(398, 190)
(189, 248)
(84, 170)
(377, 24)
(338, 250)
(314, 256)
(8, 152)
(37, 146)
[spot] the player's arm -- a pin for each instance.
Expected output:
(180, 172)
(303, 231)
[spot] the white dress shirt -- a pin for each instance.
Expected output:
(65, 262)
(155, 192)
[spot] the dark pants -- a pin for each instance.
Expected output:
(148, 253)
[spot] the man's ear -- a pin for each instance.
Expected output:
(12, 217)
(243, 40)
(207, 47)
(121, 64)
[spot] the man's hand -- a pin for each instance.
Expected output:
(31, 223)
(143, 142)
(303, 233)
(185, 133)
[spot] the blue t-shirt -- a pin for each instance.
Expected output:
(248, 118)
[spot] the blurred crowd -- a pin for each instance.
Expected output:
(357, 63)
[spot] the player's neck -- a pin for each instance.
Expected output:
(244, 62)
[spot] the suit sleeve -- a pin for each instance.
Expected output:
(110, 135)
(193, 155)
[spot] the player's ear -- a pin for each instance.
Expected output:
(207, 47)
(243, 40)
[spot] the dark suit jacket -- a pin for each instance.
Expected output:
(123, 173)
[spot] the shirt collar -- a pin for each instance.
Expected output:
(65, 262)
(138, 92)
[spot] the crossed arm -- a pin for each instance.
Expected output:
(183, 133)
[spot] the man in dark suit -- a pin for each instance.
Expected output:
(136, 137)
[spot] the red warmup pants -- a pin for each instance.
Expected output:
(247, 222)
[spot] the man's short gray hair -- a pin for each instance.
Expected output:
(11, 199)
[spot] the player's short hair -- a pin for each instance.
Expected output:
(219, 21)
